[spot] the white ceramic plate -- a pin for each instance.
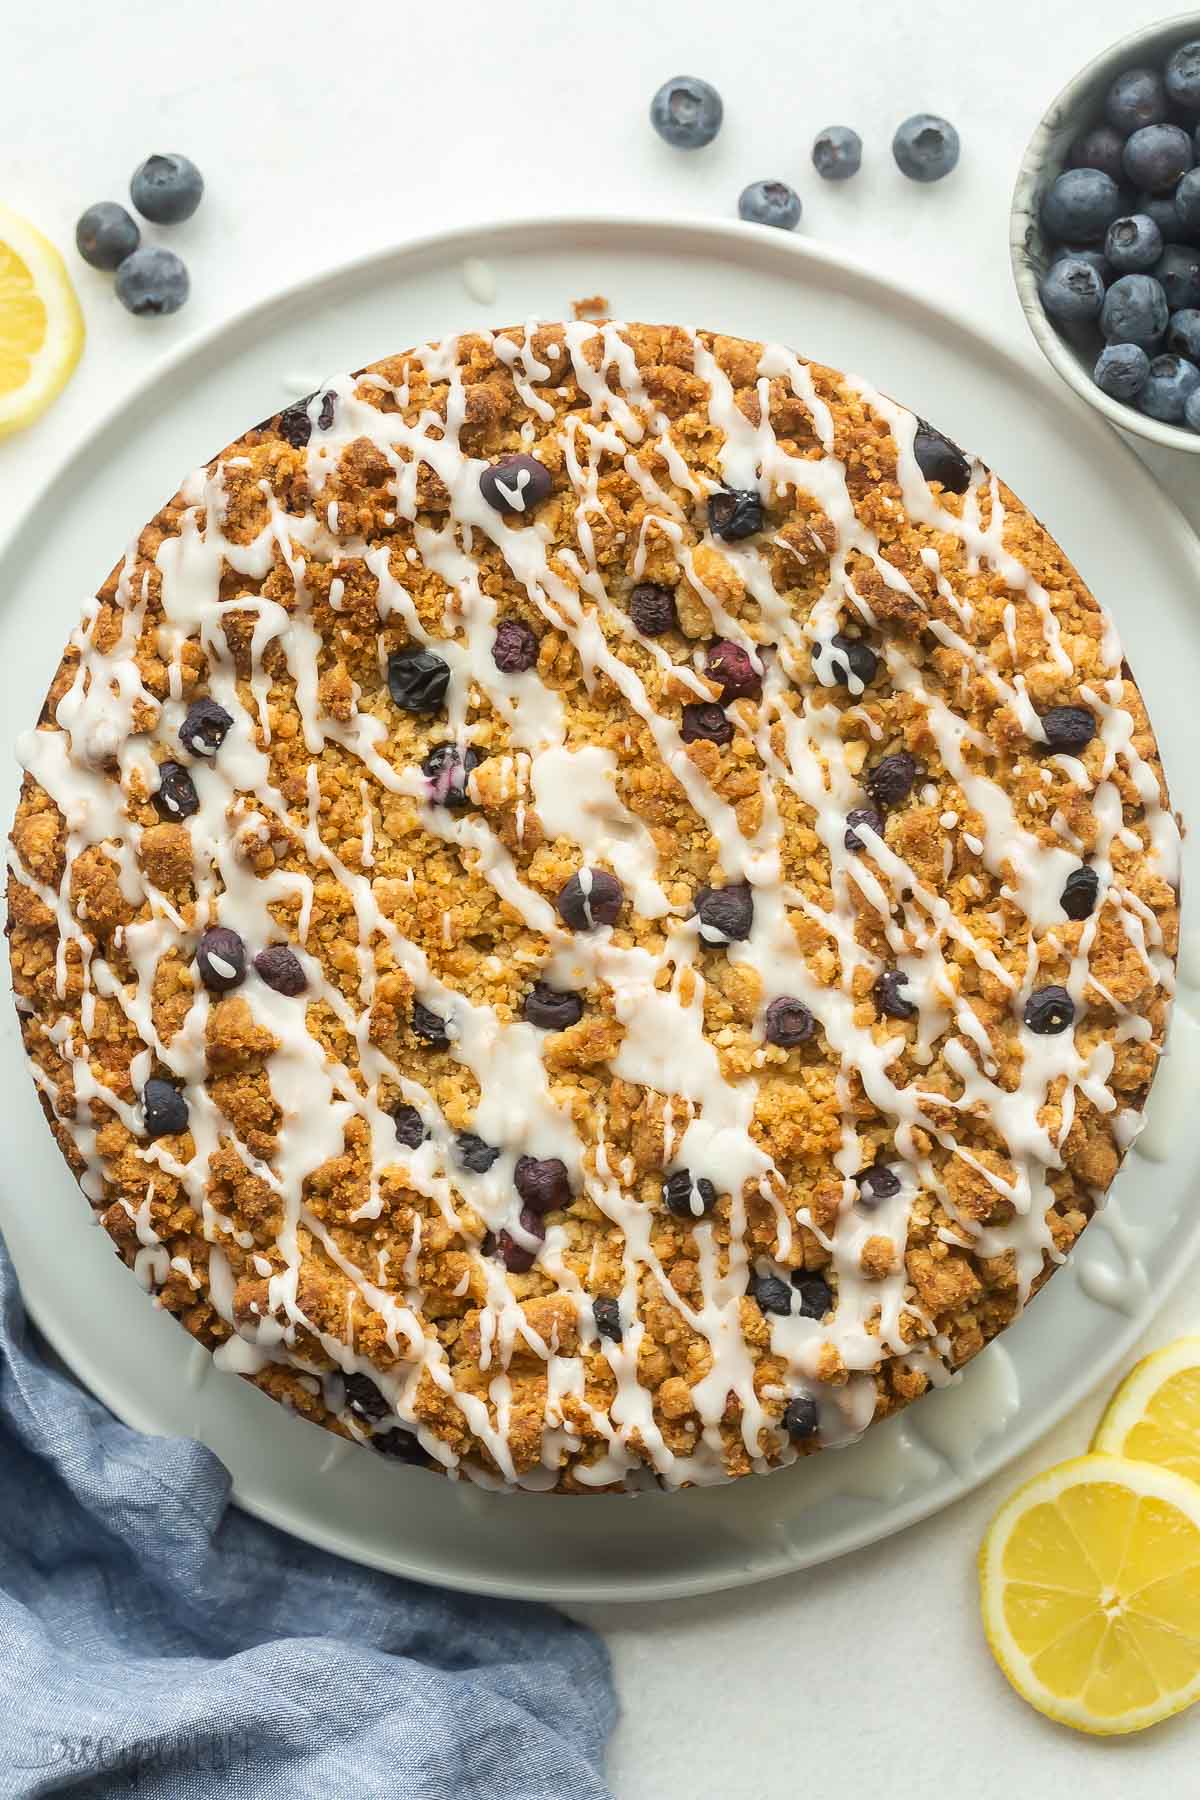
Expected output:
(1138, 555)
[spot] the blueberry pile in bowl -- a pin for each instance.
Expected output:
(1107, 233)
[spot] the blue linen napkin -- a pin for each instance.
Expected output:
(156, 1641)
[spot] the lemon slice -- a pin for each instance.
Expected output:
(1090, 1582)
(1155, 1413)
(41, 326)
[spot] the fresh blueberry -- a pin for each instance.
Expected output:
(1183, 76)
(552, 1009)
(106, 234)
(726, 914)
(607, 1313)
(850, 657)
(1080, 891)
(1177, 273)
(1133, 243)
(295, 421)
(590, 898)
(1071, 291)
(703, 720)
(1121, 370)
(515, 483)
(837, 153)
(770, 203)
(735, 513)
(770, 1294)
(474, 1152)
(152, 282)
(1183, 333)
(1156, 156)
(364, 1398)
(1100, 148)
(940, 459)
(925, 147)
(1068, 729)
(418, 680)
(801, 1418)
(686, 112)
(281, 969)
(410, 1127)
(890, 997)
(429, 1026)
(399, 1445)
(1135, 311)
(1166, 391)
(1049, 1010)
(221, 959)
(204, 727)
(542, 1183)
(1080, 205)
(732, 668)
(652, 609)
(1187, 201)
(164, 1109)
(514, 647)
(876, 1184)
(1095, 259)
(788, 1022)
(1135, 99)
(517, 1258)
(448, 769)
(688, 1197)
(1191, 412)
(861, 815)
(816, 1295)
(166, 189)
(176, 797)
(892, 778)
(1161, 208)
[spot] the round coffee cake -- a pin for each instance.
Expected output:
(594, 904)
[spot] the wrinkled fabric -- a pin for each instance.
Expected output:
(157, 1641)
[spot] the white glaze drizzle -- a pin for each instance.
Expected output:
(657, 997)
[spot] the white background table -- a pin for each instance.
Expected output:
(326, 130)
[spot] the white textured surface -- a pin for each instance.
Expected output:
(324, 133)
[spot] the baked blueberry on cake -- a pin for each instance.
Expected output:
(594, 904)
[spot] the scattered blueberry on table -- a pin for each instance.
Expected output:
(770, 203)
(106, 234)
(151, 281)
(166, 189)
(686, 112)
(837, 153)
(1123, 267)
(925, 147)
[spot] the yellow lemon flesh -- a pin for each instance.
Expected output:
(41, 326)
(1154, 1415)
(1090, 1585)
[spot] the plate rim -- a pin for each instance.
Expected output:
(686, 233)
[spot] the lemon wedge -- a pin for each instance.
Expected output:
(1154, 1416)
(41, 326)
(1090, 1583)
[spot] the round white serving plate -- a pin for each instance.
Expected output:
(1133, 548)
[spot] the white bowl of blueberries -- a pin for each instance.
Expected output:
(1106, 234)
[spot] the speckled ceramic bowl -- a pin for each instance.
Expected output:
(1079, 105)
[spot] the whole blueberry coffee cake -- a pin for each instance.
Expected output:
(594, 904)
